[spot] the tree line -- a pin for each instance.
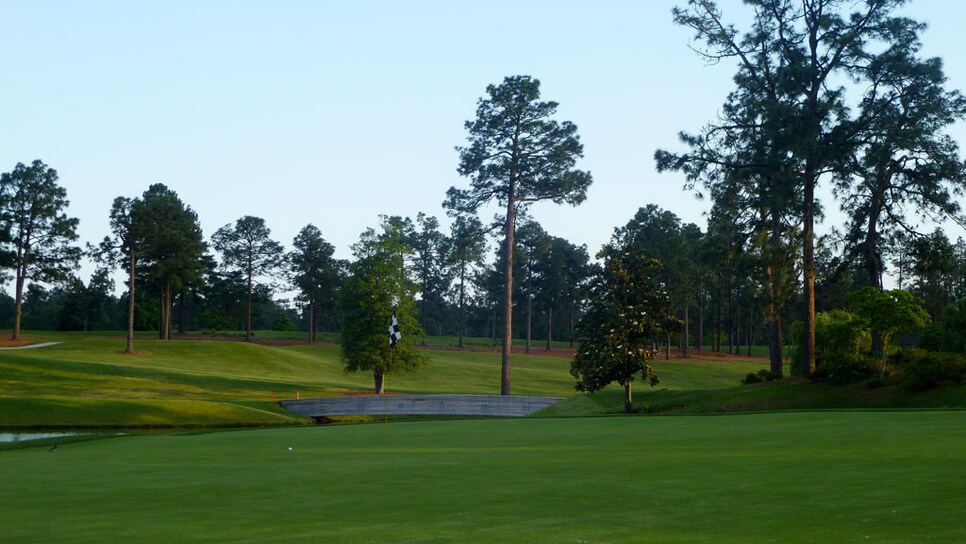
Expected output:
(826, 92)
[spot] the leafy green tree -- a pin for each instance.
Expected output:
(32, 207)
(466, 246)
(841, 333)
(626, 311)
(378, 281)
(315, 272)
(517, 154)
(889, 313)
(247, 247)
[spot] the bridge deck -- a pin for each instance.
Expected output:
(468, 405)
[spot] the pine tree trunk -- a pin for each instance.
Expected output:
(462, 323)
(129, 348)
(311, 321)
(248, 320)
(717, 324)
(18, 306)
(168, 311)
(808, 272)
(687, 338)
(549, 327)
(529, 313)
(508, 288)
(700, 339)
(775, 341)
(751, 326)
(161, 315)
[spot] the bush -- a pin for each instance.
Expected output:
(216, 320)
(283, 323)
(924, 370)
(843, 369)
(763, 375)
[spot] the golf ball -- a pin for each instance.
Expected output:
(290, 448)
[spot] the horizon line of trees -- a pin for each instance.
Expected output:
(826, 92)
(711, 282)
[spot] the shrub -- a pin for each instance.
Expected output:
(843, 369)
(763, 375)
(283, 323)
(924, 370)
(837, 333)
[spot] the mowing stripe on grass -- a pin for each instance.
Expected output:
(795, 478)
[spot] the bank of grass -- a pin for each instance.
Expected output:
(781, 396)
(796, 478)
(86, 380)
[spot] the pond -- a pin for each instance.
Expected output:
(7, 437)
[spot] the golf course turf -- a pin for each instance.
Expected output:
(791, 477)
(827, 475)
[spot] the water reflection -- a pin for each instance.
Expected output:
(23, 437)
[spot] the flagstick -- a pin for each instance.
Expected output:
(392, 353)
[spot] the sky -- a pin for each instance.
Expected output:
(333, 113)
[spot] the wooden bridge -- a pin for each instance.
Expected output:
(406, 405)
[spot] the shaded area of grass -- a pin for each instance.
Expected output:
(776, 396)
(848, 477)
(68, 412)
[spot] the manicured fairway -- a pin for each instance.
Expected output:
(823, 477)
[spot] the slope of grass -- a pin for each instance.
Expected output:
(795, 478)
(92, 369)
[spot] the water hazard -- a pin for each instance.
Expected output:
(6, 438)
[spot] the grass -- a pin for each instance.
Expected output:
(826, 476)
(802, 477)
(87, 382)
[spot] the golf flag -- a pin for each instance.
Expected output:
(394, 334)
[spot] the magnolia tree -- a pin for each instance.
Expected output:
(628, 309)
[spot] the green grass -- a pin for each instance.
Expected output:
(827, 476)
(803, 477)
(87, 382)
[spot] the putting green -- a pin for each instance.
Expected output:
(792, 477)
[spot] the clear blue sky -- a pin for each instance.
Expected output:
(332, 113)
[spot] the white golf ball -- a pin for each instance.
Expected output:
(290, 448)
